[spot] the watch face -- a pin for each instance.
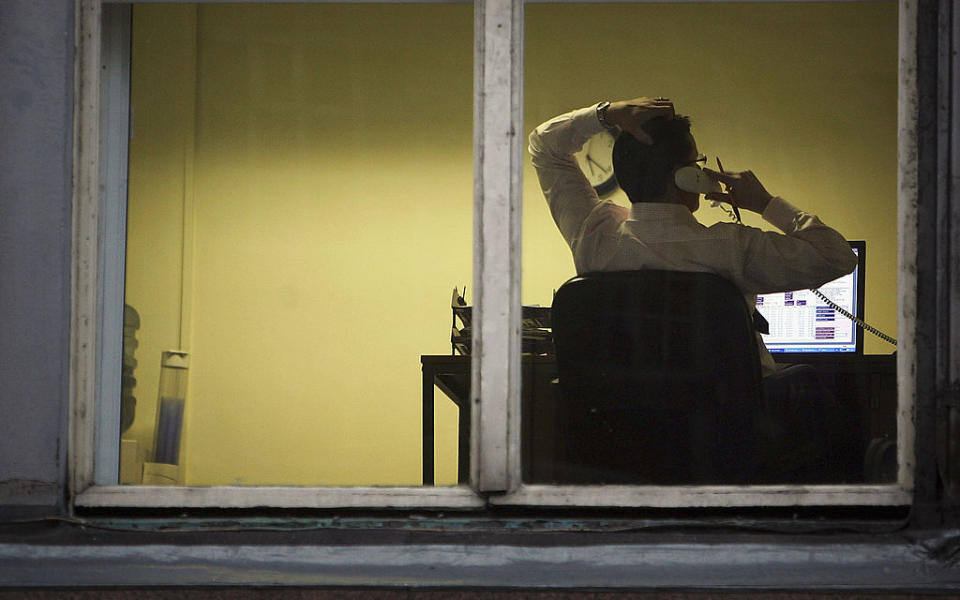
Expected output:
(596, 162)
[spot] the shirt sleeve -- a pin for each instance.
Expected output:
(569, 195)
(807, 254)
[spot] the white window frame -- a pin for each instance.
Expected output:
(495, 402)
(101, 109)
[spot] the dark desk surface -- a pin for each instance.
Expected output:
(868, 362)
(461, 360)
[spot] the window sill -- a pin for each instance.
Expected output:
(461, 497)
(505, 556)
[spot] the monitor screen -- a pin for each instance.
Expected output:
(802, 322)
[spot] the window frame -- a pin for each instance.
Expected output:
(98, 283)
(495, 402)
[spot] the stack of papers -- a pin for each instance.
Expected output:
(537, 337)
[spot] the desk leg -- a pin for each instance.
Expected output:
(426, 415)
(463, 443)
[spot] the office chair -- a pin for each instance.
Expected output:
(659, 379)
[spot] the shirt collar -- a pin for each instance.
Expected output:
(659, 210)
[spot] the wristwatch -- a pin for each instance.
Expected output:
(602, 115)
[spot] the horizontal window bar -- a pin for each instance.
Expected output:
(277, 497)
(706, 496)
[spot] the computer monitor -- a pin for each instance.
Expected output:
(801, 322)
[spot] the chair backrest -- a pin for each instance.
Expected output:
(659, 376)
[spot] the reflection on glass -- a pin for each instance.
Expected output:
(648, 385)
(300, 206)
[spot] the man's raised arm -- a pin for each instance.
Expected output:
(552, 145)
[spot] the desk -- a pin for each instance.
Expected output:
(452, 375)
(870, 381)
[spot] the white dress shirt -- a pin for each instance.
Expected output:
(604, 236)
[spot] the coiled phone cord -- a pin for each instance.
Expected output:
(856, 320)
(730, 213)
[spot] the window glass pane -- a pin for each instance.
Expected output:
(805, 96)
(300, 209)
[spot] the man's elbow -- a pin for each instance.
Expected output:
(849, 262)
(533, 142)
(843, 264)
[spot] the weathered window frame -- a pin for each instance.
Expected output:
(495, 438)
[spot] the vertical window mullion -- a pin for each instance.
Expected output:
(907, 247)
(114, 122)
(495, 400)
(84, 269)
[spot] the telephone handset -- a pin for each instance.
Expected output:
(857, 321)
(692, 179)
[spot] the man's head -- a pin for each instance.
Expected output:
(645, 172)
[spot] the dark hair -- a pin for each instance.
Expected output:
(642, 169)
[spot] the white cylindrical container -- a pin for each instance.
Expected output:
(168, 430)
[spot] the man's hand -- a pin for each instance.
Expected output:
(743, 190)
(630, 115)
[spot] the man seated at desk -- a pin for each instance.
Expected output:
(659, 230)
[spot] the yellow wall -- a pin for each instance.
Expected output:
(301, 194)
(325, 163)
